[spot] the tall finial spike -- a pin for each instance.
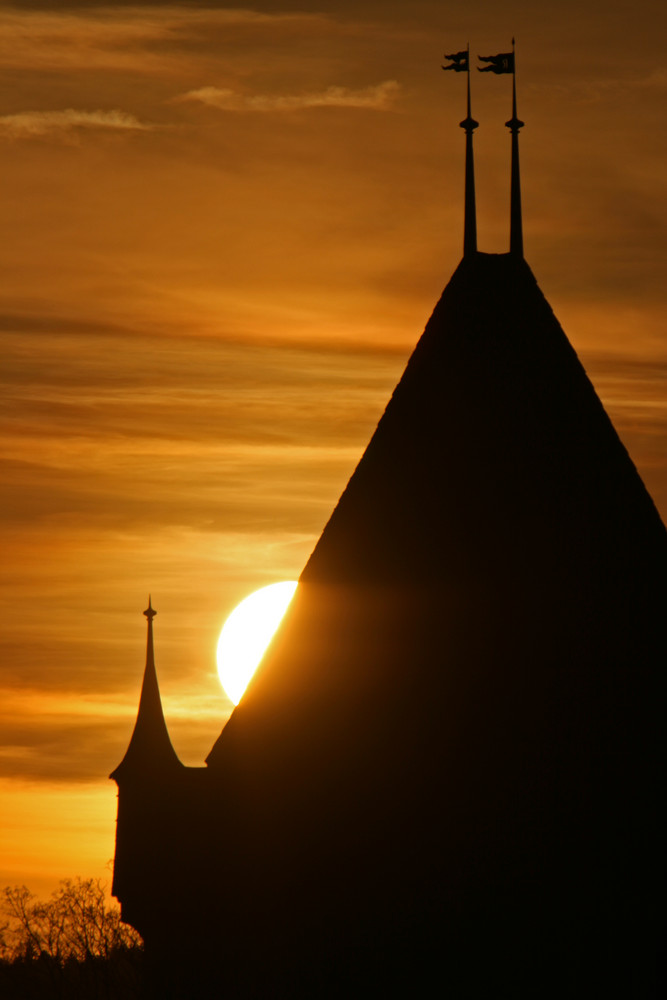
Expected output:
(514, 124)
(470, 210)
(460, 63)
(150, 614)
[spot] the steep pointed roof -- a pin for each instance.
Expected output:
(452, 741)
(150, 750)
(494, 477)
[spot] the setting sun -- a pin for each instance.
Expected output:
(246, 634)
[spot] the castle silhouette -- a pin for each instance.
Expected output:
(443, 779)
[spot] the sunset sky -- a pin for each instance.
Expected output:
(224, 229)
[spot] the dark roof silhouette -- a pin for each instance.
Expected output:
(454, 734)
(496, 485)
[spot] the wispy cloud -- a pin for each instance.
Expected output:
(655, 80)
(66, 40)
(29, 124)
(378, 97)
(136, 37)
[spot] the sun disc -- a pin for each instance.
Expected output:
(247, 633)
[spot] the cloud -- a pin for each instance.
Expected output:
(142, 37)
(63, 40)
(29, 124)
(71, 736)
(378, 97)
(656, 79)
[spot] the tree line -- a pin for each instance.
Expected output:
(71, 946)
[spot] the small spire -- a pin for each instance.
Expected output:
(150, 748)
(514, 124)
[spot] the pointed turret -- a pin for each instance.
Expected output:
(150, 748)
(149, 778)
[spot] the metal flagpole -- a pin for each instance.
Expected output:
(514, 124)
(460, 62)
(470, 215)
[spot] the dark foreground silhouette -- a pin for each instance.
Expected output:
(443, 779)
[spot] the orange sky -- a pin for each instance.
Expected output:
(223, 232)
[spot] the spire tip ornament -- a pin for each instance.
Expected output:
(505, 62)
(460, 63)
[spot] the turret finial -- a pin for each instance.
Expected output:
(460, 62)
(505, 62)
(514, 124)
